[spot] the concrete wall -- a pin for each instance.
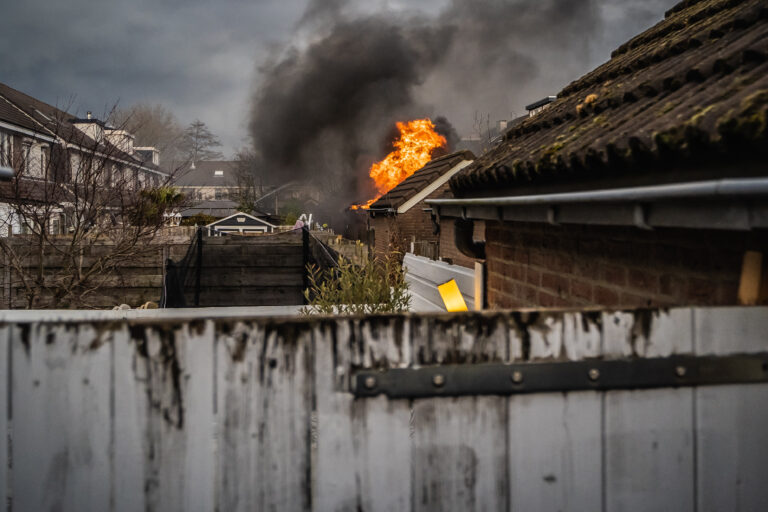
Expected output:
(209, 412)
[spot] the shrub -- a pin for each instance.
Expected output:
(376, 286)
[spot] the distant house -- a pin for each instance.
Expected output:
(217, 180)
(643, 184)
(241, 223)
(400, 217)
(207, 180)
(47, 147)
(222, 209)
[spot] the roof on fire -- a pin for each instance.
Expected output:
(690, 91)
(420, 180)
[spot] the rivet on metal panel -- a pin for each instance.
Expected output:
(370, 382)
(517, 377)
(680, 371)
(438, 380)
(594, 374)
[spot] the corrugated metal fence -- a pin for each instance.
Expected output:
(255, 414)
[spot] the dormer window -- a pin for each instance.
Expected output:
(218, 173)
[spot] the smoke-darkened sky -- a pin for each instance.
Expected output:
(205, 59)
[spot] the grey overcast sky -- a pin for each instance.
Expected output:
(199, 59)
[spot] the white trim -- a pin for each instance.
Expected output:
(423, 194)
(26, 132)
(134, 165)
(261, 229)
(237, 214)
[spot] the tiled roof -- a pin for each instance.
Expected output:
(420, 179)
(691, 90)
(204, 174)
(32, 114)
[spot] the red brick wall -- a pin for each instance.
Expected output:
(545, 266)
(448, 250)
(397, 231)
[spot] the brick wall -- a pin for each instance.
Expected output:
(548, 266)
(448, 250)
(397, 231)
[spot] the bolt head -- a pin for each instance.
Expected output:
(680, 371)
(370, 382)
(438, 380)
(594, 374)
(517, 377)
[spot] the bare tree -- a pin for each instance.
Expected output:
(77, 210)
(249, 181)
(153, 125)
(197, 141)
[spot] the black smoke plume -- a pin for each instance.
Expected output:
(326, 107)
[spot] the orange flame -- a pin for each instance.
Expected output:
(413, 149)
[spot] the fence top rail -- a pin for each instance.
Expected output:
(171, 314)
(291, 314)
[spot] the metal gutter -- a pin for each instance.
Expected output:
(725, 187)
(732, 203)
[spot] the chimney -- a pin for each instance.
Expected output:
(148, 154)
(121, 139)
(501, 125)
(90, 126)
(536, 107)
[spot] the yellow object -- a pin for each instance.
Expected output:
(452, 296)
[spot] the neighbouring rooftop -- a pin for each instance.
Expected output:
(690, 92)
(420, 180)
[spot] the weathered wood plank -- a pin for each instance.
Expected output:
(249, 296)
(555, 452)
(362, 452)
(168, 386)
(459, 445)
(649, 434)
(731, 440)
(646, 333)
(236, 277)
(129, 423)
(61, 410)
(264, 403)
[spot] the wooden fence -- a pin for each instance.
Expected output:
(236, 271)
(256, 414)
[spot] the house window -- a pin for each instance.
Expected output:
(44, 159)
(218, 173)
(5, 149)
(26, 155)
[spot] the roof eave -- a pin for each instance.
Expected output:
(731, 204)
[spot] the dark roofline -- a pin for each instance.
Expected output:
(540, 103)
(394, 198)
(77, 120)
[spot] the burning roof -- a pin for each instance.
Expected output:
(413, 148)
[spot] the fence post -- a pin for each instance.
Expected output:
(305, 258)
(199, 266)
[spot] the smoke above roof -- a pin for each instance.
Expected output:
(327, 103)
